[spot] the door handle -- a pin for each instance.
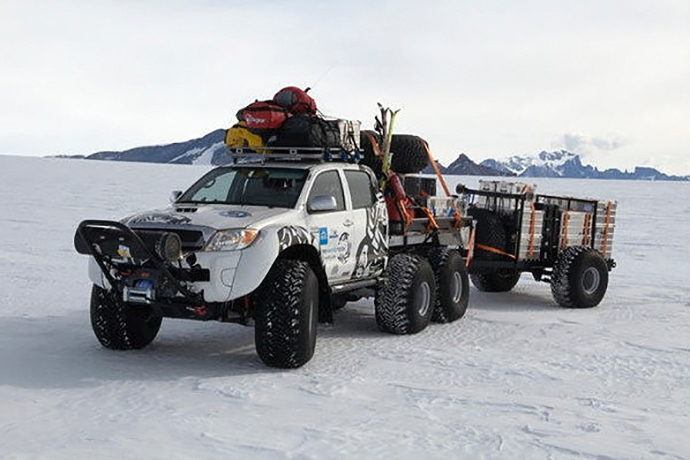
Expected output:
(348, 223)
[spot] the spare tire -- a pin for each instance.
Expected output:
(409, 154)
(489, 232)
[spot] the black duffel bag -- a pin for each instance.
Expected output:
(307, 131)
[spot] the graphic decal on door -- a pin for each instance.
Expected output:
(344, 248)
(371, 253)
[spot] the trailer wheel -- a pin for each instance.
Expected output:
(285, 315)
(452, 285)
(500, 281)
(119, 326)
(409, 154)
(580, 278)
(405, 302)
(489, 232)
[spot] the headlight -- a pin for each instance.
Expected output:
(231, 240)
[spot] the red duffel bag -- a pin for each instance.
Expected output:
(295, 100)
(263, 116)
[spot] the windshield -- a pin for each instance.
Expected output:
(273, 187)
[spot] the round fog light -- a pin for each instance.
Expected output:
(169, 247)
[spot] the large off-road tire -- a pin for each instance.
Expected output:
(498, 281)
(405, 302)
(580, 278)
(409, 154)
(489, 232)
(119, 326)
(285, 315)
(452, 284)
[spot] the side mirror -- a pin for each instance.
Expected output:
(460, 189)
(322, 203)
(175, 195)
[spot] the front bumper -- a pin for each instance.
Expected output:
(212, 278)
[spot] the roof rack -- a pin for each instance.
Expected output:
(305, 154)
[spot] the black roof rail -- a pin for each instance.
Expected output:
(299, 154)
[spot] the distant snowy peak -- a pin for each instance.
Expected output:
(567, 164)
(545, 164)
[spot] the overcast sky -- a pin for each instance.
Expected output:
(607, 79)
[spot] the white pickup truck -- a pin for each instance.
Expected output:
(278, 244)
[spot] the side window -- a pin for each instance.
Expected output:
(328, 183)
(362, 189)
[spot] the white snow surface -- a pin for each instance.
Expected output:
(517, 377)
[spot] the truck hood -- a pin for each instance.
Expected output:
(210, 216)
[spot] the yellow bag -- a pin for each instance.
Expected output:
(239, 136)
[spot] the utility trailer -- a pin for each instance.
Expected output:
(562, 240)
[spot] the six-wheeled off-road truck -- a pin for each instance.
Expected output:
(279, 243)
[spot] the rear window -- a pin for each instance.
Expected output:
(362, 191)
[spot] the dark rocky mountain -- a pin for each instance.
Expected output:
(210, 149)
(464, 166)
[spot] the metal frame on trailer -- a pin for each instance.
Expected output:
(512, 218)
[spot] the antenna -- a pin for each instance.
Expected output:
(323, 75)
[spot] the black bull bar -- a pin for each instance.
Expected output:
(119, 252)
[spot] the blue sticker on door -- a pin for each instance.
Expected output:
(323, 235)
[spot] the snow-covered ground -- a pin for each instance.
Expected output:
(517, 378)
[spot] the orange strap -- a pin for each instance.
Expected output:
(586, 230)
(470, 251)
(530, 246)
(377, 151)
(374, 143)
(604, 245)
(564, 232)
(438, 171)
(456, 213)
(402, 209)
(432, 225)
(494, 250)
